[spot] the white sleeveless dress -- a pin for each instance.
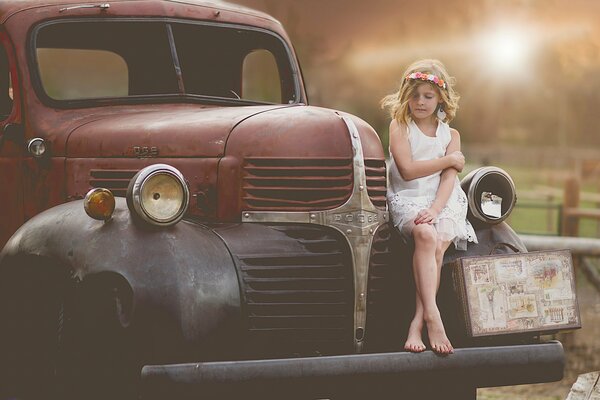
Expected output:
(407, 198)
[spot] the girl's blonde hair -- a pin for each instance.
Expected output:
(397, 103)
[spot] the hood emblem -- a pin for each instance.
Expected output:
(145, 151)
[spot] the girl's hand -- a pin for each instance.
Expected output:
(457, 160)
(426, 216)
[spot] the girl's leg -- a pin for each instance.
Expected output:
(414, 341)
(441, 248)
(423, 259)
(427, 276)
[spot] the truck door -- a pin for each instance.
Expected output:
(11, 147)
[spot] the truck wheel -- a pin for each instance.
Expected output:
(108, 365)
(33, 343)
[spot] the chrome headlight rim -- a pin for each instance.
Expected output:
(136, 186)
(473, 179)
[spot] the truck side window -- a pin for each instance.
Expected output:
(6, 98)
(82, 73)
(260, 80)
(233, 63)
(91, 60)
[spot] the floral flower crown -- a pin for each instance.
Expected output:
(427, 77)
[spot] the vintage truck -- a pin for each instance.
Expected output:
(177, 221)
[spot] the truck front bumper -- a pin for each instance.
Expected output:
(331, 375)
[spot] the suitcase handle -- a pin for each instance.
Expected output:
(510, 246)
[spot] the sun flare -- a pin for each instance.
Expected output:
(507, 49)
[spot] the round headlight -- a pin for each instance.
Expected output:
(158, 195)
(491, 194)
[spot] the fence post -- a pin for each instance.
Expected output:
(570, 225)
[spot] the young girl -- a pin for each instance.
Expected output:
(424, 196)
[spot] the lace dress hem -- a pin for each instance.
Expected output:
(451, 224)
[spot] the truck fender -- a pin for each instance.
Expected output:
(180, 280)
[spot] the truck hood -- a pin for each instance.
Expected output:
(166, 132)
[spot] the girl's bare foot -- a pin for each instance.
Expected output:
(414, 342)
(437, 335)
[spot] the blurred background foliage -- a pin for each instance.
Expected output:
(527, 70)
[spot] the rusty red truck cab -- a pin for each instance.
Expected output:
(177, 221)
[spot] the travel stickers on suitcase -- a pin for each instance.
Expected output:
(513, 293)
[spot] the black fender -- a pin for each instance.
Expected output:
(490, 240)
(178, 285)
(198, 292)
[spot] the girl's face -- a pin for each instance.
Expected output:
(424, 101)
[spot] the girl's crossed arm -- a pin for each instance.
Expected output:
(410, 169)
(445, 187)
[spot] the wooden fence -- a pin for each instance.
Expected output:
(570, 199)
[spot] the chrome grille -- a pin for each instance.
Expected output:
(300, 302)
(296, 184)
(381, 268)
(376, 182)
(385, 303)
(116, 180)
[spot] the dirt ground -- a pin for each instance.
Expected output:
(582, 350)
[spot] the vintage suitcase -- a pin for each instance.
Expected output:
(515, 293)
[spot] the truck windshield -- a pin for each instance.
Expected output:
(92, 60)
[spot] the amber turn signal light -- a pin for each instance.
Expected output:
(99, 204)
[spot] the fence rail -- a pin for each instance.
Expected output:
(581, 247)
